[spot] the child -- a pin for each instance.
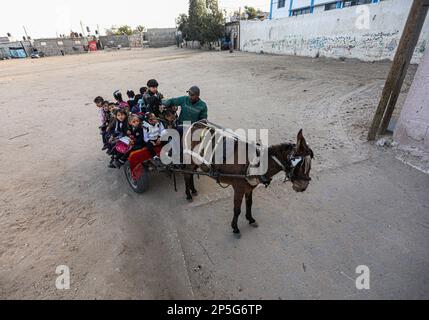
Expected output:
(99, 101)
(170, 119)
(153, 130)
(131, 101)
(136, 133)
(117, 129)
(152, 98)
(107, 117)
(140, 101)
(120, 101)
(112, 109)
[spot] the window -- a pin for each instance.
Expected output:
(351, 3)
(281, 4)
(298, 12)
(330, 6)
(43, 44)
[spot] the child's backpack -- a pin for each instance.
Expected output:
(123, 145)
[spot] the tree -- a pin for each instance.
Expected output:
(139, 29)
(182, 23)
(251, 12)
(122, 30)
(213, 22)
(203, 23)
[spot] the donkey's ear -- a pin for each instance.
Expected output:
(300, 135)
(301, 143)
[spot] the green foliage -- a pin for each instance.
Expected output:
(122, 30)
(251, 12)
(139, 29)
(203, 23)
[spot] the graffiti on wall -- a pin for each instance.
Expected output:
(368, 46)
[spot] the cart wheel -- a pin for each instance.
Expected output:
(138, 186)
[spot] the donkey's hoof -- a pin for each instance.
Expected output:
(194, 192)
(190, 199)
(254, 224)
(237, 235)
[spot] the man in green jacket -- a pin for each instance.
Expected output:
(193, 108)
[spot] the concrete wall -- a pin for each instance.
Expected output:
(413, 126)
(60, 46)
(137, 41)
(115, 41)
(161, 37)
(209, 46)
(335, 33)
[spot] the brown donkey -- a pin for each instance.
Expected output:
(294, 160)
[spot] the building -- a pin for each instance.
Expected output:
(288, 8)
(4, 40)
(335, 33)
(412, 130)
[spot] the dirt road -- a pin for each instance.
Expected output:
(61, 205)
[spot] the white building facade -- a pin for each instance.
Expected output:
(337, 33)
(288, 8)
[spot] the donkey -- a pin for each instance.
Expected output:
(293, 159)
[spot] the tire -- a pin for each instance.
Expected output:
(139, 186)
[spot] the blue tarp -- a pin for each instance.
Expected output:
(17, 53)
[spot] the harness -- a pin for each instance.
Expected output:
(291, 166)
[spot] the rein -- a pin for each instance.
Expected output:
(290, 168)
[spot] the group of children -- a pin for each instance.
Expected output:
(135, 124)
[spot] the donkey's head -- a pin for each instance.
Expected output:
(301, 162)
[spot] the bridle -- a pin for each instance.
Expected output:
(290, 167)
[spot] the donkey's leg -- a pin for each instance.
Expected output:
(188, 178)
(193, 190)
(238, 200)
(249, 203)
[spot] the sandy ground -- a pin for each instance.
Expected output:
(61, 205)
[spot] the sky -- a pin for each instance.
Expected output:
(49, 18)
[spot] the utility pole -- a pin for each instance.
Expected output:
(25, 31)
(83, 30)
(398, 71)
(239, 29)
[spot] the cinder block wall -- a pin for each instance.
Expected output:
(161, 37)
(413, 126)
(336, 33)
(115, 41)
(59, 46)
